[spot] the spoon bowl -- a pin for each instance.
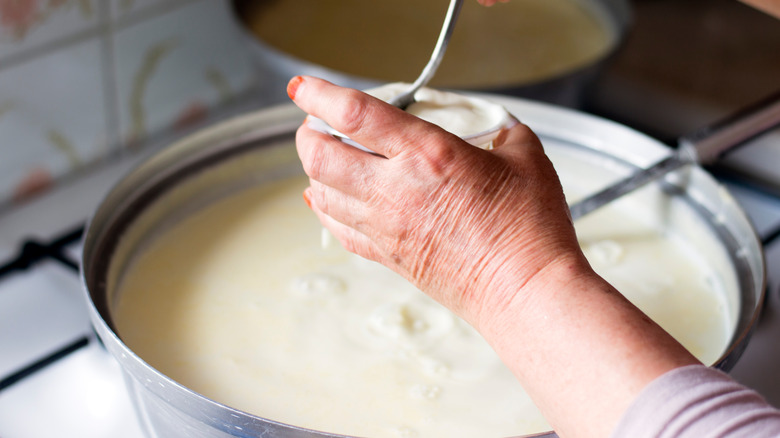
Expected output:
(404, 99)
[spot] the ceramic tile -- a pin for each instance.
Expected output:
(52, 117)
(30, 24)
(124, 10)
(172, 69)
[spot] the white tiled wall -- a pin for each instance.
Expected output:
(29, 24)
(54, 116)
(81, 79)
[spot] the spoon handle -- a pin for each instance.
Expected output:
(404, 99)
(703, 147)
(709, 143)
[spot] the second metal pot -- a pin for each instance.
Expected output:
(567, 87)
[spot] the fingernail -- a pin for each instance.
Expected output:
(292, 86)
(306, 198)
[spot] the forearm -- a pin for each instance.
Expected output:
(580, 349)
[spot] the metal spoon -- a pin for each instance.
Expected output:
(406, 98)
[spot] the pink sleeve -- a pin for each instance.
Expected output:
(697, 402)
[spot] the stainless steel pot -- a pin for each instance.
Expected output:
(259, 147)
(568, 88)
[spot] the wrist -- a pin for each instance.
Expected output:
(513, 297)
(568, 334)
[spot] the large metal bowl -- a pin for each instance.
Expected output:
(259, 147)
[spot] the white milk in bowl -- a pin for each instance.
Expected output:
(240, 302)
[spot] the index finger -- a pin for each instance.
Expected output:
(365, 119)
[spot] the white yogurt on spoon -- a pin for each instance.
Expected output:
(477, 121)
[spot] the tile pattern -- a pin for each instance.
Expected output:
(83, 79)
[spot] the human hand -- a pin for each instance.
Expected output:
(491, 2)
(469, 227)
(771, 7)
(487, 234)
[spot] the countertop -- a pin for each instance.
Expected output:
(685, 63)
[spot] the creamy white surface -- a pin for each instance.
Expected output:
(520, 42)
(242, 303)
(659, 255)
(464, 116)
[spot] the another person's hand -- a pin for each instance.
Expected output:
(771, 7)
(491, 2)
(468, 226)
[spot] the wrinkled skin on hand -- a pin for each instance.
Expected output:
(467, 226)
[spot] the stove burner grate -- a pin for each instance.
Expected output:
(33, 252)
